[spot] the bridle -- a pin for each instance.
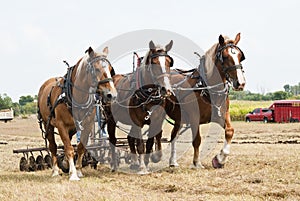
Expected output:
(149, 66)
(91, 69)
(219, 57)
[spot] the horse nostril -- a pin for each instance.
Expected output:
(109, 96)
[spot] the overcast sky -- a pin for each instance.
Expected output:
(36, 36)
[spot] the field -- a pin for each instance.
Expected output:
(263, 165)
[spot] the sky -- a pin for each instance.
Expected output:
(36, 36)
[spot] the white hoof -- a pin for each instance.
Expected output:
(142, 172)
(74, 177)
(173, 163)
(197, 166)
(55, 174)
(79, 173)
(55, 171)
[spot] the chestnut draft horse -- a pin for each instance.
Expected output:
(67, 103)
(140, 101)
(220, 66)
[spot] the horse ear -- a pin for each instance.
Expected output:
(105, 51)
(151, 45)
(169, 46)
(90, 51)
(237, 38)
(221, 40)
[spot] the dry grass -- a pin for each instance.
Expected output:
(268, 168)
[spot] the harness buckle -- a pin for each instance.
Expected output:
(148, 116)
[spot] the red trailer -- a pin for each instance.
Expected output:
(286, 111)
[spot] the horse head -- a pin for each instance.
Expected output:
(101, 72)
(158, 62)
(228, 58)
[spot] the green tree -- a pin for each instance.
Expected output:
(280, 95)
(5, 101)
(25, 99)
(287, 88)
(29, 108)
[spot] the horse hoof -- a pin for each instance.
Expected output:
(134, 166)
(142, 172)
(55, 174)
(174, 165)
(155, 158)
(216, 164)
(197, 166)
(79, 173)
(74, 178)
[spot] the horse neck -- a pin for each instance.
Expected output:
(213, 74)
(81, 88)
(145, 76)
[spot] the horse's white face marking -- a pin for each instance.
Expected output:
(107, 71)
(162, 61)
(234, 54)
(239, 72)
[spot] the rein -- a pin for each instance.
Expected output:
(146, 95)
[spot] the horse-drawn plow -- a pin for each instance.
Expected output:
(34, 159)
(97, 152)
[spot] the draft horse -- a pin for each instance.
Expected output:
(140, 101)
(67, 103)
(219, 67)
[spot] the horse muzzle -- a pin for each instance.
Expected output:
(238, 86)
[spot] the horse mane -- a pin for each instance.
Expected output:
(210, 60)
(210, 57)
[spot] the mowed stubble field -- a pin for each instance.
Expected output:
(264, 165)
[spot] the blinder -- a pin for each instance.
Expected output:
(220, 50)
(163, 54)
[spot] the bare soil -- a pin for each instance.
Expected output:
(264, 164)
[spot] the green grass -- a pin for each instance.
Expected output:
(238, 109)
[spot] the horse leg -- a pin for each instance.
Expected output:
(196, 144)
(69, 152)
(173, 157)
(157, 154)
(134, 164)
(141, 151)
(149, 145)
(53, 150)
(111, 129)
(80, 151)
(220, 159)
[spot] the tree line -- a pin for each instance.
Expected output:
(25, 105)
(28, 104)
(289, 92)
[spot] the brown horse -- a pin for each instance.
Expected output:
(220, 66)
(140, 101)
(67, 103)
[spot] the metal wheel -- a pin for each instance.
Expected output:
(40, 162)
(23, 164)
(32, 164)
(48, 161)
